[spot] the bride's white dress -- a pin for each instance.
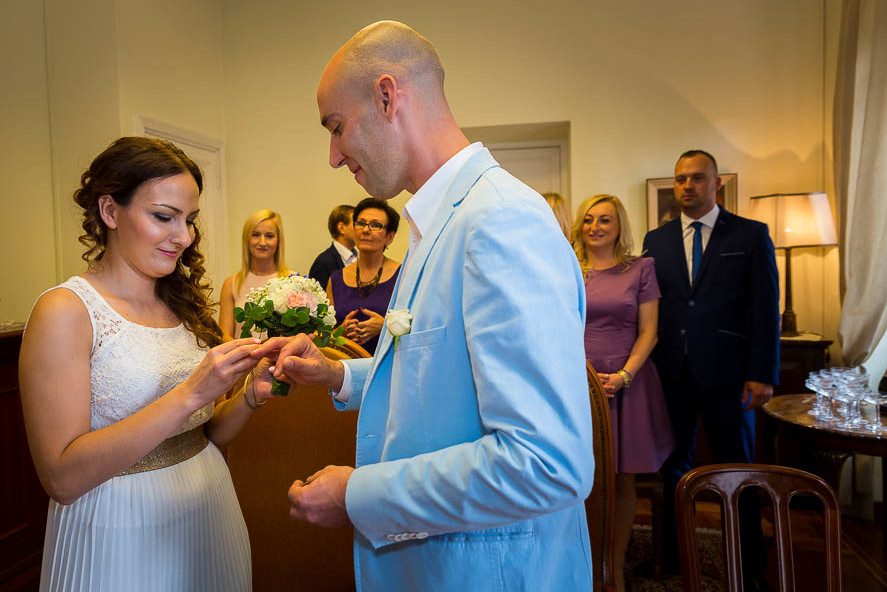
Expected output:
(175, 528)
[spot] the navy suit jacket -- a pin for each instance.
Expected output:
(325, 264)
(727, 322)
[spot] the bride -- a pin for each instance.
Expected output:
(120, 368)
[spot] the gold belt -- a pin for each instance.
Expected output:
(170, 452)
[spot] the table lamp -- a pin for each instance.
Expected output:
(795, 220)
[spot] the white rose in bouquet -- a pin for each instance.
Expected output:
(277, 293)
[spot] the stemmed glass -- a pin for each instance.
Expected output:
(876, 399)
(849, 388)
(819, 381)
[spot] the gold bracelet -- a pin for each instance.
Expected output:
(254, 405)
(626, 377)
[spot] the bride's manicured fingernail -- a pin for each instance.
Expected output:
(271, 369)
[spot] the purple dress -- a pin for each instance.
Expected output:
(642, 435)
(345, 299)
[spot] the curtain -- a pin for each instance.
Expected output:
(860, 151)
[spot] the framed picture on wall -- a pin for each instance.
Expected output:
(662, 206)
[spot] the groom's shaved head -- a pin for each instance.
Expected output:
(389, 47)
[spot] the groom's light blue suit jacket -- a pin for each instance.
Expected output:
(474, 446)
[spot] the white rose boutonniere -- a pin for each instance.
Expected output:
(399, 322)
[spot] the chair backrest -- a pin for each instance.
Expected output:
(290, 438)
(353, 349)
(600, 504)
(781, 484)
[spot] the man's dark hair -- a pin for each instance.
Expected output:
(697, 152)
(339, 214)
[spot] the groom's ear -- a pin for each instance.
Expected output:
(385, 96)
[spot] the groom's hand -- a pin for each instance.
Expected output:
(300, 362)
(320, 499)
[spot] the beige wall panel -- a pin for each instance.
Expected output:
(27, 241)
(84, 107)
(639, 82)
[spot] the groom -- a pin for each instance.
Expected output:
(474, 446)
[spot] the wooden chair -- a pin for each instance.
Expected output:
(351, 348)
(290, 438)
(600, 505)
(781, 484)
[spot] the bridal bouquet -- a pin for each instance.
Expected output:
(288, 306)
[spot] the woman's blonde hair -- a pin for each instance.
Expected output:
(249, 226)
(624, 244)
(558, 205)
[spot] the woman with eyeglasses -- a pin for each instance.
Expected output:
(361, 291)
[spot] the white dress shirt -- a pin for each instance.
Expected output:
(347, 255)
(708, 223)
(419, 211)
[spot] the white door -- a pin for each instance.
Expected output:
(542, 167)
(207, 153)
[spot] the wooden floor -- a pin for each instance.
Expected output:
(864, 552)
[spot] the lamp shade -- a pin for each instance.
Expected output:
(796, 219)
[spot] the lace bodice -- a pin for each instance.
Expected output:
(132, 365)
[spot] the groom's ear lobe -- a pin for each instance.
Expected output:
(385, 93)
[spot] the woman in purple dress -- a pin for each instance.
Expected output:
(620, 332)
(361, 291)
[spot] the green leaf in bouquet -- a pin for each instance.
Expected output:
(238, 314)
(246, 329)
(281, 389)
(257, 313)
(289, 318)
(321, 310)
(268, 306)
(336, 336)
(303, 315)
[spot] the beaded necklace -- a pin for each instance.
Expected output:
(365, 289)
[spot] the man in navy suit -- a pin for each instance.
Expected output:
(718, 347)
(342, 251)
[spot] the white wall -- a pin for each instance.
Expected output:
(78, 73)
(27, 241)
(639, 81)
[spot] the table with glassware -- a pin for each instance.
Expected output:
(842, 415)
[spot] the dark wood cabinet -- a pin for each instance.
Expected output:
(797, 359)
(23, 502)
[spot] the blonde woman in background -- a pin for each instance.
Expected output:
(263, 259)
(620, 332)
(558, 205)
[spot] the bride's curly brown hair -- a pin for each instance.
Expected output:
(119, 171)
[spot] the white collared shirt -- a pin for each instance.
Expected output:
(419, 211)
(708, 223)
(347, 255)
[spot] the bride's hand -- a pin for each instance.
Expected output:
(260, 384)
(220, 369)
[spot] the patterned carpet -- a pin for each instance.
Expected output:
(638, 564)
